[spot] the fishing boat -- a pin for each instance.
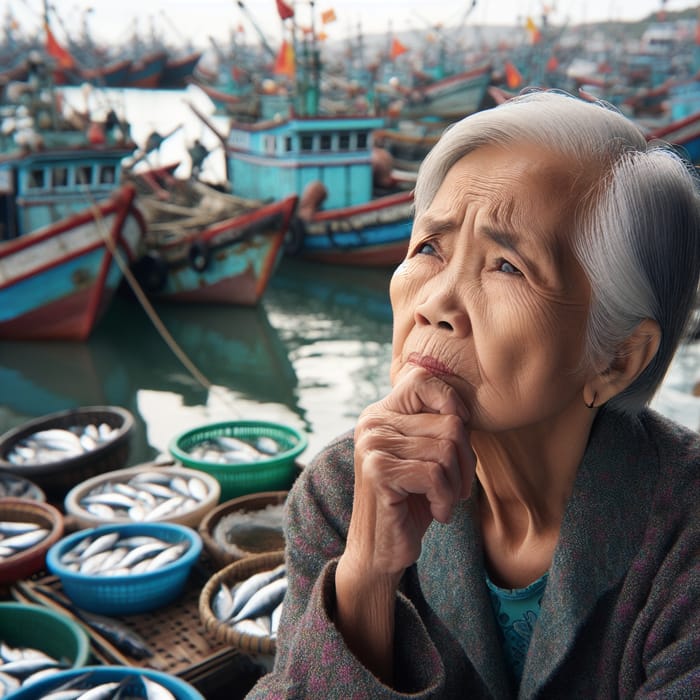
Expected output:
(683, 134)
(327, 162)
(449, 98)
(207, 246)
(178, 70)
(66, 222)
(146, 71)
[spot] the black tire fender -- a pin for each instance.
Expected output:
(199, 256)
(294, 239)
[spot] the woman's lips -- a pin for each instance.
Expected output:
(433, 365)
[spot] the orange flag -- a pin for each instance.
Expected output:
(284, 63)
(328, 16)
(552, 64)
(55, 50)
(513, 77)
(397, 48)
(535, 35)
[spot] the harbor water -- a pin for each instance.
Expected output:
(312, 355)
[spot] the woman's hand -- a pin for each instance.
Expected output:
(413, 463)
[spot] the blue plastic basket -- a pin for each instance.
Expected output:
(133, 593)
(92, 676)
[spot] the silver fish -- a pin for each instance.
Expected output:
(247, 588)
(263, 601)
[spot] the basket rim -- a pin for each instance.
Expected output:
(105, 673)
(293, 451)
(71, 501)
(14, 435)
(211, 520)
(252, 564)
(187, 559)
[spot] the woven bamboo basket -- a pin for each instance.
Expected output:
(233, 573)
(220, 554)
(33, 559)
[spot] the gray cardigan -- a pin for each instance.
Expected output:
(620, 615)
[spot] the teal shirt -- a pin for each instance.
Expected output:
(516, 610)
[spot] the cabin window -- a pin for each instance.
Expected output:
(108, 175)
(307, 142)
(325, 142)
(36, 179)
(362, 139)
(270, 144)
(344, 140)
(288, 143)
(84, 175)
(59, 177)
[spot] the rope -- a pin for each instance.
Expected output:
(148, 307)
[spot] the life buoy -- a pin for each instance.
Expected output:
(151, 272)
(294, 238)
(199, 256)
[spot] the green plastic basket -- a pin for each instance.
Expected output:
(27, 625)
(270, 474)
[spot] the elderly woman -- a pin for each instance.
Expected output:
(511, 520)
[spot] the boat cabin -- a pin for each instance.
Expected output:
(273, 159)
(39, 187)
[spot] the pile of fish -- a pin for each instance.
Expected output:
(17, 536)
(251, 531)
(114, 554)
(56, 444)
(23, 665)
(253, 606)
(12, 486)
(231, 450)
(133, 686)
(145, 497)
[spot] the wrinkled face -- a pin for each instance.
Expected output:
(490, 296)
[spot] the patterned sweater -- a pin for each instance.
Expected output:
(620, 616)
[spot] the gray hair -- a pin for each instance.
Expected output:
(636, 224)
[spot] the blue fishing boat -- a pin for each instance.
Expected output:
(327, 161)
(66, 222)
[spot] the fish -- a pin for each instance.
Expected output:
(145, 497)
(263, 601)
(130, 687)
(55, 444)
(15, 487)
(17, 537)
(112, 629)
(113, 555)
(247, 588)
(259, 530)
(232, 450)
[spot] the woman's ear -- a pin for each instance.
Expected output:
(631, 359)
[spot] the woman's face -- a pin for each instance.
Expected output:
(490, 296)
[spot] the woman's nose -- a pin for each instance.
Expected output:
(443, 310)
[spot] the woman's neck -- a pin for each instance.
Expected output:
(525, 482)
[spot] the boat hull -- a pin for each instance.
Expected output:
(226, 262)
(371, 235)
(57, 282)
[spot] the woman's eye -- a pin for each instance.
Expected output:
(505, 266)
(425, 249)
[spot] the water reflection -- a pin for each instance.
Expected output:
(313, 355)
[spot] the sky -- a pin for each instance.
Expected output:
(180, 21)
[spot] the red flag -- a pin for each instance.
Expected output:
(513, 77)
(328, 16)
(397, 48)
(552, 64)
(55, 50)
(285, 11)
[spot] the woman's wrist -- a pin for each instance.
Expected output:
(364, 615)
